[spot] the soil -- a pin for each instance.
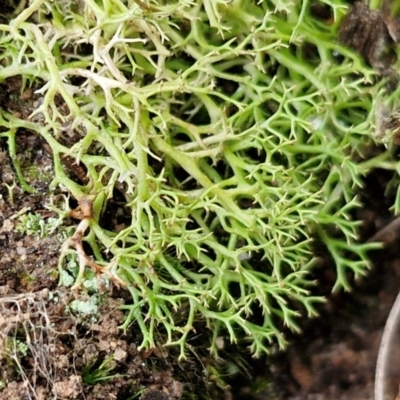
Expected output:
(335, 358)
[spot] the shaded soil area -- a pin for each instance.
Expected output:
(335, 358)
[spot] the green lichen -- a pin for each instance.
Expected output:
(233, 130)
